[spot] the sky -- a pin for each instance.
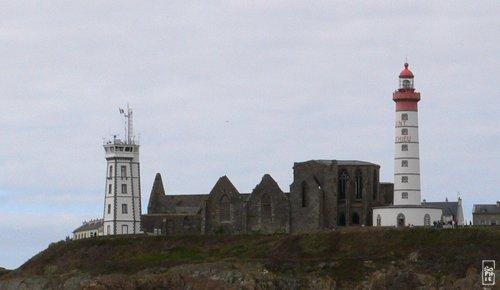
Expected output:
(236, 88)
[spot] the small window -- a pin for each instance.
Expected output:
(404, 117)
(109, 188)
(379, 220)
(123, 170)
(108, 230)
(404, 163)
(404, 147)
(124, 188)
(109, 208)
(404, 179)
(404, 131)
(404, 195)
(124, 208)
(110, 171)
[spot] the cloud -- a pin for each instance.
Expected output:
(237, 89)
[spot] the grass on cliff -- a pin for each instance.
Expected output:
(343, 253)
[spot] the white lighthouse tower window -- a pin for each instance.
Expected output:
(124, 171)
(124, 188)
(404, 195)
(404, 147)
(404, 163)
(404, 117)
(124, 208)
(404, 131)
(404, 179)
(109, 208)
(109, 189)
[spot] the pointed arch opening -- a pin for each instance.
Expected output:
(304, 194)
(358, 184)
(266, 209)
(225, 209)
(375, 185)
(342, 183)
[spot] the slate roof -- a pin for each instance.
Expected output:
(450, 208)
(89, 226)
(486, 208)
(346, 162)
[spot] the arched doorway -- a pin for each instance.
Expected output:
(379, 220)
(401, 220)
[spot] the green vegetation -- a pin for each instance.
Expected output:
(345, 253)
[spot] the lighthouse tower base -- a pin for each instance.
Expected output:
(406, 215)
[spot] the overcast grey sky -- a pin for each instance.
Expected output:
(236, 88)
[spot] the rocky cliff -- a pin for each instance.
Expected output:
(363, 258)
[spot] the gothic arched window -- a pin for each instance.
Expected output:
(266, 208)
(379, 220)
(359, 184)
(342, 183)
(225, 209)
(304, 194)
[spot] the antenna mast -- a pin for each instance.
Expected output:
(129, 125)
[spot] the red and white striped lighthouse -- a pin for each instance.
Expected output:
(406, 159)
(407, 208)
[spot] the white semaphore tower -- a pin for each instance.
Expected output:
(122, 201)
(407, 208)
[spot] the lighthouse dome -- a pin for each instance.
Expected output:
(406, 73)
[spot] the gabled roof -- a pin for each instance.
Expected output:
(450, 208)
(224, 185)
(269, 185)
(90, 225)
(486, 208)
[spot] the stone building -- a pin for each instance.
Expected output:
(486, 214)
(89, 229)
(324, 193)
